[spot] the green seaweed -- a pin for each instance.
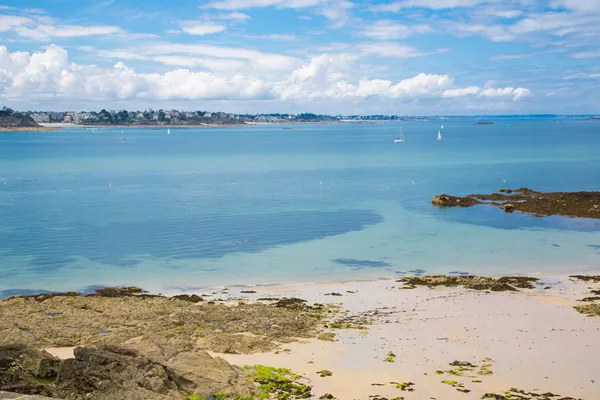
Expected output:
(323, 373)
(280, 383)
(391, 357)
(406, 386)
(449, 382)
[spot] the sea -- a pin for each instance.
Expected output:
(275, 204)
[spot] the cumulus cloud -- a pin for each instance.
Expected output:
(516, 94)
(452, 93)
(50, 73)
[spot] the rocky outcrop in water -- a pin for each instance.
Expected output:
(568, 204)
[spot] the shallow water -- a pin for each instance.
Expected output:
(261, 205)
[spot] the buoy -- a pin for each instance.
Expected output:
(320, 182)
(110, 184)
(246, 241)
(413, 182)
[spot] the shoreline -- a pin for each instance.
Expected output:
(28, 129)
(195, 289)
(382, 334)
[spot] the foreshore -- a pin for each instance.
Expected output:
(415, 338)
(28, 129)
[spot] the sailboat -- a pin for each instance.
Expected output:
(442, 127)
(401, 138)
(439, 136)
(168, 131)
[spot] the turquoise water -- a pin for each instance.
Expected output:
(261, 205)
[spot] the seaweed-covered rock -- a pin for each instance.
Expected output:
(27, 371)
(445, 200)
(506, 283)
(569, 204)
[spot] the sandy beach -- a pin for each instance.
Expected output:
(393, 342)
(533, 340)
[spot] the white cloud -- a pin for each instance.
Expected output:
(243, 4)
(208, 63)
(516, 56)
(488, 91)
(337, 13)
(47, 32)
(234, 16)
(201, 28)
(582, 75)
(495, 32)
(431, 4)
(8, 22)
(206, 56)
(516, 94)
(586, 54)
(274, 36)
(452, 93)
(501, 13)
(577, 5)
(386, 30)
(49, 73)
(394, 50)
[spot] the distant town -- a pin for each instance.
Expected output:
(180, 118)
(177, 117)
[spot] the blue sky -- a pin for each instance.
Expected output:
(425, 57)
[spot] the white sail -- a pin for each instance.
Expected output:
(401, 138)
(439, 136)
(442, 126)
(168, 131)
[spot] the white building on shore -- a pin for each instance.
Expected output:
(40, 118)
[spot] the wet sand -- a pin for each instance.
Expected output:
(535, 340)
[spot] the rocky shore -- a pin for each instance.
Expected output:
(419, 337)
(568, 204)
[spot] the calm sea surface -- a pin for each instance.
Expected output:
(261, 205)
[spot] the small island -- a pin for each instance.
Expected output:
(484, 123)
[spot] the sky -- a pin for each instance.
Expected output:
(405, 57)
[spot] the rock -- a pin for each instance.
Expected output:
(194, 298)
(508, 207)
(444, 200)
(115, 372)
(18, 396)
(441, 200)
(207, 373)
(235, 344)
(27, 371)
